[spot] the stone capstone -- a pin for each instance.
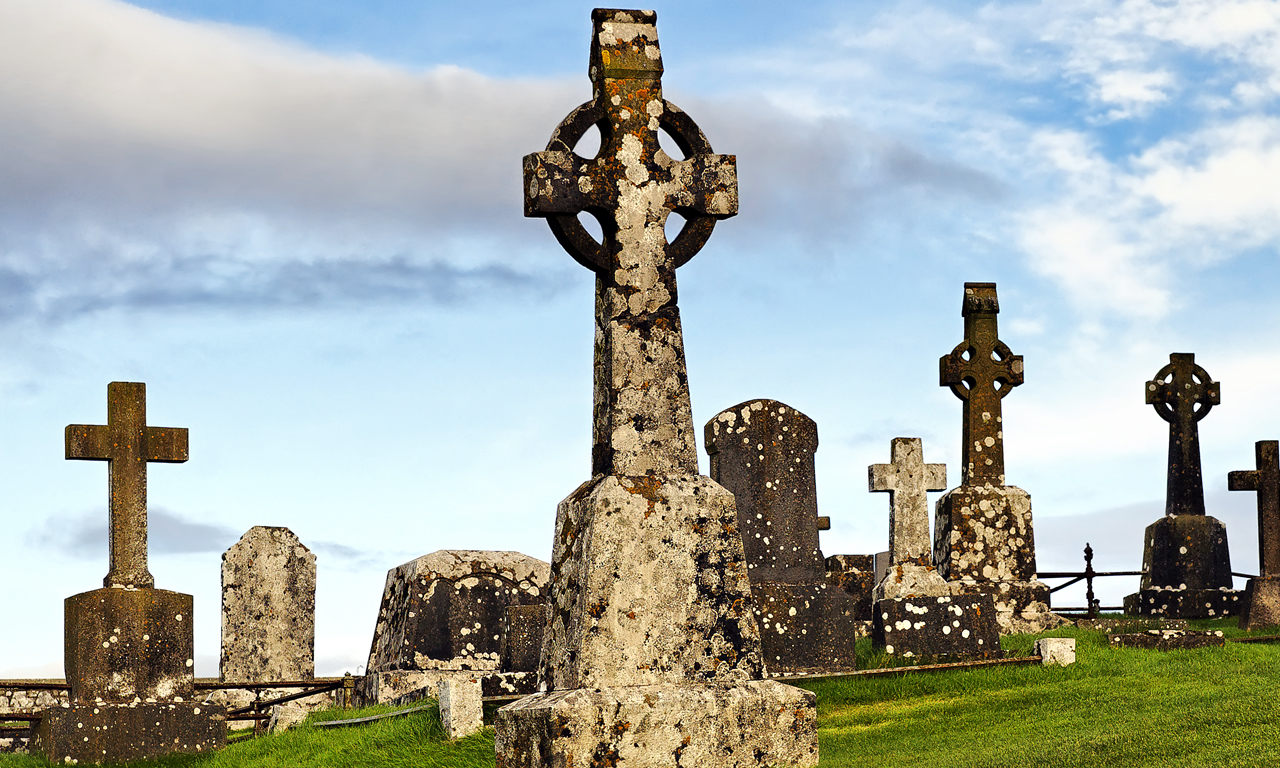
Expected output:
(1168, 639)
(935, 628)
(914, 580)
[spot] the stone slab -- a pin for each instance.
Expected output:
(520, 648)
(933, 628)
(805, 628)
(1184, 603)
(1261, 603)
(1129, 625)
(96, 733)
(1186, 552)
(402, 686)
(1168, 639)
(856, 575)
(461, 706)
(1056, 651)
(758, 723)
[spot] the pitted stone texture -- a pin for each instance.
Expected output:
(805, 628)
(762, 452)
(984, 533)
(1185, 603)
(1128, 626)
(914, 580)
(690, 726)
(461, 707)
(649, 586)
(401, 686)
(445, 610)
(285, 716)
(1022, 607)
(937, 627)
(855, 574)
(1261, 604)
(522, 629)
(1168, 639)
(906, 480)
(1056, 651)
(268, 608)
(97, 733)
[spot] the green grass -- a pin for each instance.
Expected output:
(1214, 707)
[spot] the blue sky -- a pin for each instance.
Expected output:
(300, 225)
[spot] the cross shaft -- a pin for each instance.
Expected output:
(1182, 393)
(907, 479)
(127, 444)
(981, 370)
(1265, 480)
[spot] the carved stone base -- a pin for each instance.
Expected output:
(913, 580)
(1021, 606)
(118, 733)
(1261, 603)
(805, 628)
(937, 628)
(1185, 603)
(401, 686)
(751, 725)
(1186, 552)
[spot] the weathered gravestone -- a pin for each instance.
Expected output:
(129, 650)
(268, 613)
(917, 613)
(1185, 559)
(1262, 595)
(982, 532)
(762, 452)
(651, 655)
(443, 615)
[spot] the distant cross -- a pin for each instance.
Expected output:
(1183, 394)
(906, 480)
(127, 443)
(643, 423)
(1266, 481)
(981, 371)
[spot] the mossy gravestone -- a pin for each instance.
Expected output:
(129, 650)
(651, 655)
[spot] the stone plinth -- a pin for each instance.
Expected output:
(1261, 604)
(1188, 570)
(1184, 603)
(99, 733)
(935, 628)
(735, 726)
(1168, 639)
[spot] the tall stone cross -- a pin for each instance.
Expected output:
(981, 370)
(1266, 481)
(643, 423)
(907, 479)
(127, 443)
(1182, 394)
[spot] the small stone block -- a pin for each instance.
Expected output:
(285, 716)
(1056, 651)
(120, 733)
(1168, 639)
(961, 627)
(461, 710)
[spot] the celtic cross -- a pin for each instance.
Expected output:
(127, 444)
(981, 371)
(1182, 394)
(1266, 481)
(643, 423)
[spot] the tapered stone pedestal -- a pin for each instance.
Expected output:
(1188, 571)
(1261, 604)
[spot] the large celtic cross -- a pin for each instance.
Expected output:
(127, 444)
(981, 370)
(643, 423)
(1183, 394)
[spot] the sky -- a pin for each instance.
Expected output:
(300, 225)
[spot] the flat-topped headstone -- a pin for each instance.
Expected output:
(1185, 559)
(268, 610)
(651, 647)
(1262, 595)
(763, 452)
(129, 652)
(983, 539)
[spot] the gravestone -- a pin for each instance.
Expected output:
(651, 655)
(762, 452)
(442, 615)
(1185, 559)
(268, 613)
(983, 538)
(128, 646)
(1262, 595)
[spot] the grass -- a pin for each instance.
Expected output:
(1213, 707)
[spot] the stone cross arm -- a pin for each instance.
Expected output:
(564, 183)
(95, 442)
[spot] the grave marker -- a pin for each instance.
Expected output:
(1262, 595)
(907, 479)
(128, 651)
(651, 652)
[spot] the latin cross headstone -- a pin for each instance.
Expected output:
(651, 626)
(907, 479)
(1262, 601)
(981, 371)
(127, 444)
(1186, 561)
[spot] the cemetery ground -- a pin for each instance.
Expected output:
(1113, 707)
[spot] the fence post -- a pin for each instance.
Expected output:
(1088, 580)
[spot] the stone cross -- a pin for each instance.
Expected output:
(1182, 394)
(643, 423)
(1266, 481)
(127, 443)
(907, 479)
(981, 370)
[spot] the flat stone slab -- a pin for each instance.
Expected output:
(805, 628)
(1168, 639)
(90, 733)
(757, 723)
(1130, 625)
(1185, 603)
(937, 628)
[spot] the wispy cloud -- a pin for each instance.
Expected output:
(84, 536)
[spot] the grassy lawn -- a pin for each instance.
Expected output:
(1215, 707)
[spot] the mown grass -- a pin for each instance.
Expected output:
(1213, 707)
